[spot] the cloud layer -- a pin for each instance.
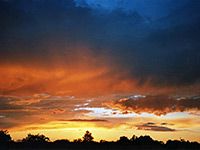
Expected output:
(156, 104)
(139, 46)
(37, 109)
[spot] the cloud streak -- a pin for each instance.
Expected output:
(153, 127)
(86, 120)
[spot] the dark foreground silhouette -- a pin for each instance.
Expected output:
(41, 142)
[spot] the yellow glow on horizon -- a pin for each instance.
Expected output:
(74, 130)
(106, 134)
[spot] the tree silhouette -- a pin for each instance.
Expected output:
(103, 141)
(35, 138)
(123, 140)
(39, 141)
(4, 136)
(62, 141)
(134, 137)
(77, 140)
(88, 137)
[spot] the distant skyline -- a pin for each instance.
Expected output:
(113, 67)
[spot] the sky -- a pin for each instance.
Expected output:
(113, 67)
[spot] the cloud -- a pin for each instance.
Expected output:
(126, 48)
(58, 110)
(156, 104)
(86, 120)
(146, 8)
(22, 111)
(153, 127)
(150, 123)
(163, 124)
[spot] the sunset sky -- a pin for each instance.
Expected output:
(113, 67)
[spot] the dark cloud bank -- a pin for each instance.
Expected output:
(156, 104)
(164, 50)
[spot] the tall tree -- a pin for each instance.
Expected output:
(88, 137)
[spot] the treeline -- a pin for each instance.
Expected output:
(40, 141)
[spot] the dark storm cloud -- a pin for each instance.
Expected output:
(156, 104)
(154, 127)
(163, 50)
(153, 9)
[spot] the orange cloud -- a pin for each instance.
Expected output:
(86, 78)
(17, 112)
(74, 71)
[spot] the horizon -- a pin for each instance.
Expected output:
(40, 141)
(113, 67)
(82, 138)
